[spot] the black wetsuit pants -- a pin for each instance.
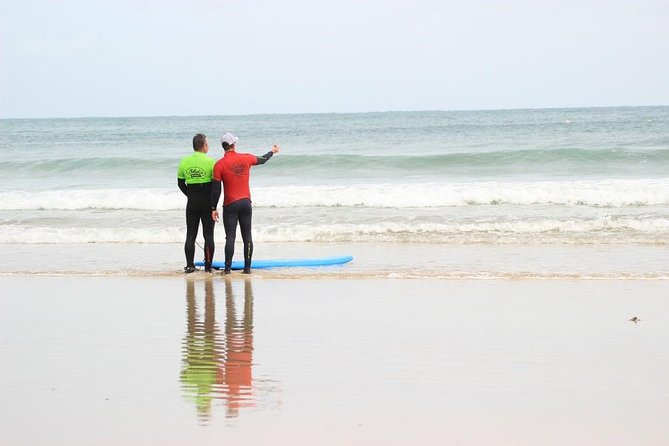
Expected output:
(238, 211)
(198, 210)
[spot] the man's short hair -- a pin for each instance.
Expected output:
(199, 141)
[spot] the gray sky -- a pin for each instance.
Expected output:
(165, 57)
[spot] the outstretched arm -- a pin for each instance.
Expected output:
(263, 159)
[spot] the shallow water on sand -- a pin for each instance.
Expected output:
(118, 360)
(370, 260)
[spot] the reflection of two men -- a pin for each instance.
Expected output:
(218, 366)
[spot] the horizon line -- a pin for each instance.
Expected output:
(334, 113)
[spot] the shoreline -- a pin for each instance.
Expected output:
(288, 274)
(370, 261)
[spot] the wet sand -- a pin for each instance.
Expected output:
(173, 360)
(371, 260)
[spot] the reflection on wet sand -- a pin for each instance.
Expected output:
(216, 366)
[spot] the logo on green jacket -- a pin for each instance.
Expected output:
(195, 172)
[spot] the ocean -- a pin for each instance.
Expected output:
(419, 187)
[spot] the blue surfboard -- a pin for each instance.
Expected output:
(278, 263)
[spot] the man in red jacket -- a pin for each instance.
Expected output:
(233, 170)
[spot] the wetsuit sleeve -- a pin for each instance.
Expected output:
(263, 159)
(181, 182)
(217, 174)
(215, 194)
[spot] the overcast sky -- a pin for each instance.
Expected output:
(164, 57)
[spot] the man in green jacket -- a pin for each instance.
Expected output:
(194, 179)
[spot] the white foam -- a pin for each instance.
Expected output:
(132, 199)
(601, 193)
(547, 230)
(550, 230)
(46, 234)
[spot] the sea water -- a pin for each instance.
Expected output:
(445, 181)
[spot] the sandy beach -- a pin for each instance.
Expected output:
(371, 260)
(175, 360)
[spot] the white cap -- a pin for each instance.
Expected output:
(229, 138)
